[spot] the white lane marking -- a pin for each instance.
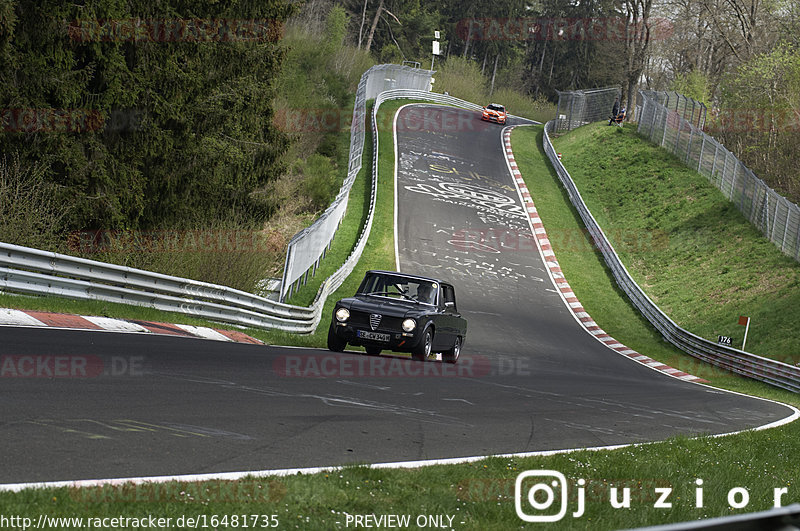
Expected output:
(396, 155)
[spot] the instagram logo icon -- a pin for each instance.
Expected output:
(535, 493)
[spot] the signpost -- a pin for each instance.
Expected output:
(744, 321)
(435, 48)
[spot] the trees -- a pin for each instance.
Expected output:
(637, 43)
(759, 117)
(143, 113)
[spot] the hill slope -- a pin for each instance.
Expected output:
(691, 250)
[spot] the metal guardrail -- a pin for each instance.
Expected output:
(738, 361)
(36, 272)
(309, 246)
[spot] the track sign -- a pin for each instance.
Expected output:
(435, 47)
(724, 340)
(436, 34)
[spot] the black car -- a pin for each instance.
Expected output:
(402, 313)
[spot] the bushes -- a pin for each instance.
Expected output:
(30, 215)
(462, 78)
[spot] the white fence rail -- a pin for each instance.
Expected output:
(309, 246)
(738, 361)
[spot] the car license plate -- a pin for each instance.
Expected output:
(373, 336)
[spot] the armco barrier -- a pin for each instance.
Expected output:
(307, 248)
(36, 272)
(738, 361)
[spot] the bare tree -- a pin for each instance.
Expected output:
(374, 25)
(637, 41)
(361, 28)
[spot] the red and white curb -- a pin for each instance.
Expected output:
(554, 270)
(30, 318)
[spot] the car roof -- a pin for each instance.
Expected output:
(496, 105)
(399, 274)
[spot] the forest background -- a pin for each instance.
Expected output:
(153, 122)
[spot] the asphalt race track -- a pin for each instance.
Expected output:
(103, 404)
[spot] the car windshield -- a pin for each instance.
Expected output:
(494, 107)
(399, 287)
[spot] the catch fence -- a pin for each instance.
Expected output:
(774, 215)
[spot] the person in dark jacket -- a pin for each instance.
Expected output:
(614, 112)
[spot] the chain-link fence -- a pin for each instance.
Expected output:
(773, 214)
(689, 109)
(309, 246)
(581, 107)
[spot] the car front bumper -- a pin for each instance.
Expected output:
(398, 341)
(493, 118)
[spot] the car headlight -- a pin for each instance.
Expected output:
(409, 325)
(342, 314)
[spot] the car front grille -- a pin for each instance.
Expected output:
(386, 322)
(374, 320)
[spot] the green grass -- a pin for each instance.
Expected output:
(480, 495)
(691, 250)
(379, 250)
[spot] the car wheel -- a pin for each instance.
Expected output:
(423, 349)
(373, 351)
(451, 356)
(335, 343)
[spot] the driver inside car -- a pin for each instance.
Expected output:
(425, 293)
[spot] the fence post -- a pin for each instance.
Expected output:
(714, 164)
(774, 219)
(786, 229)
(724, 176)
(739, 167)
(653, 123)
(700, 158)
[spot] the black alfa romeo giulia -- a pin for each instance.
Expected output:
(402, 313)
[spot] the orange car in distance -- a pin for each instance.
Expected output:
(494, 113)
